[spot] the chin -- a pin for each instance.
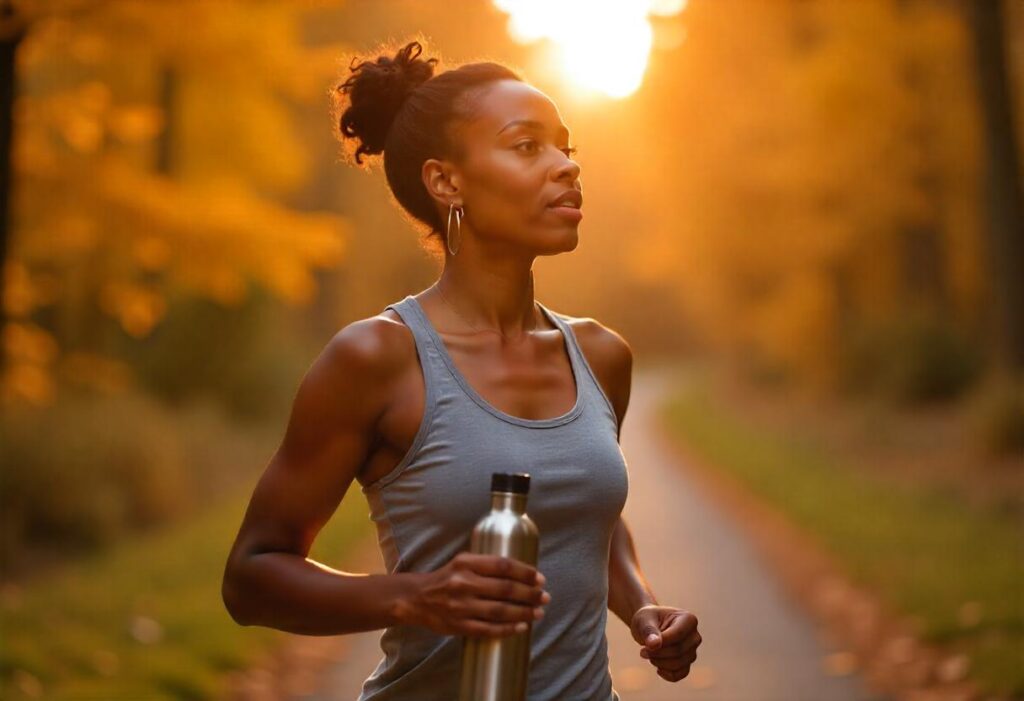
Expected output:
(564, 241)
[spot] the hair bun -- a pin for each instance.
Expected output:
(376, 91)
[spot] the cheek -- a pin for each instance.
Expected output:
(508, 188)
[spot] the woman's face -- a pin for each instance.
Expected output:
(516, 163)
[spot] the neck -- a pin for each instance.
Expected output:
(499, 298)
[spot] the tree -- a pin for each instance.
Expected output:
(1004, 204)
(154, 152)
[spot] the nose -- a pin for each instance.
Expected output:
(567, 169)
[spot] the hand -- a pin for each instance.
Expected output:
(479, 595)
(668, 638)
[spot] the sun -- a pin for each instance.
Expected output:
(602, 45)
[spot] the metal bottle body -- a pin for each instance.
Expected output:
(495, 669)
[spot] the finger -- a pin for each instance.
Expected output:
(693, 641)
(475, 628)
(690, 642)
(500, 566)
(674, 650)
(500, 611)
(675, 663)
(679, 627)
(508, 590)
(674, 676)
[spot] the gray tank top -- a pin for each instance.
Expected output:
(425, 509)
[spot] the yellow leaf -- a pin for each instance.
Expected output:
(137, 308)
(95, 371)
(27, 382)
(136, 123)
(82, 132)
(151, 252)
(28, 343)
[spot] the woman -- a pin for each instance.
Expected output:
(422, 402)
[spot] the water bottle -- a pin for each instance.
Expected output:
(495, 669)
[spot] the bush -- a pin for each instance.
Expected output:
(244, 357)
(916, 359)
(997, 416)
(79, 473)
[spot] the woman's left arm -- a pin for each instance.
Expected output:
(628, 589)
(667, 635)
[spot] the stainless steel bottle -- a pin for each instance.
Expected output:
(495, 669)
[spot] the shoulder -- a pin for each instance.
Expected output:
(602, 345)
(610, 357)
(365, 358)
(377, 344)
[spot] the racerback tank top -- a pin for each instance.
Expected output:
(426, 507)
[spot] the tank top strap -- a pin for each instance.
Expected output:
(409, 312)
(589, 376)
(431, 363)
(442, 379)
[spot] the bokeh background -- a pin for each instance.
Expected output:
(811, 210)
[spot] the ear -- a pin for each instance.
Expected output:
(441, 179)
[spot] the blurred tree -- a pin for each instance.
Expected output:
(821, 177)
(1004, 202)
(163, 131)
(12, 31)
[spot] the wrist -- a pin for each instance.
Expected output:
(642, 599)
(405, 604)
(627, 594)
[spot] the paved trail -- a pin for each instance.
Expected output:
(758, 646)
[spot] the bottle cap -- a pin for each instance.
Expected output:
(517, 483)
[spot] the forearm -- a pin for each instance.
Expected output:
(628, 589)
(295, 594)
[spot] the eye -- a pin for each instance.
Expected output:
(569, 151)
(529, 142)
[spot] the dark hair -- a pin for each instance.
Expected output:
(395, 105)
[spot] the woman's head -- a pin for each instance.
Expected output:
(477, 136)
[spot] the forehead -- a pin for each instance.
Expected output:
(509, 105)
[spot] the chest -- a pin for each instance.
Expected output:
(578, 475)
(533, 383)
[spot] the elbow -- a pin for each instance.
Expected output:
(232, 594)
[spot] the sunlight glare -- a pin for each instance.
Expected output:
(603, 46)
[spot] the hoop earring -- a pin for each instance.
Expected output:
(458, 226)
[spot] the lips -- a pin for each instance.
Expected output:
(570, 198)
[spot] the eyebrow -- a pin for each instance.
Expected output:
(531, 123)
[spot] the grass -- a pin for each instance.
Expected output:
(920, 548)
(72, 631)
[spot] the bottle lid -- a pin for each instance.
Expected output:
(517, 483)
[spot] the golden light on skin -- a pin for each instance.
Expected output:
(601, 46)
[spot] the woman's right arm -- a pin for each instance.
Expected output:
(269, 580)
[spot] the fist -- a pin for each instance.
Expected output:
(668, 637)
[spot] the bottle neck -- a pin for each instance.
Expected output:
(508, 501)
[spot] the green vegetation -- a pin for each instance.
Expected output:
(78, 476)
(923, 550)
(914, 359)
(997, 417)
(79, 633)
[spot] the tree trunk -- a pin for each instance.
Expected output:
(1004, 203)
(11, 32)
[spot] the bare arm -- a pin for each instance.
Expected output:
(268, 579)
(628, 589)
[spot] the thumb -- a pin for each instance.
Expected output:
(649, 632)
